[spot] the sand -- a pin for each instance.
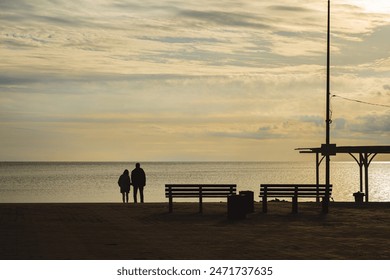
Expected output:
(147, 231)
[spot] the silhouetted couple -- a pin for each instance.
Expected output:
(138, 180)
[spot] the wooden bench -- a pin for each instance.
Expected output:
(197, 190)
(294, 191)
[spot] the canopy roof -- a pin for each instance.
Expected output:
(350, 150)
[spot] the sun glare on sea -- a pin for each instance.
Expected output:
(375, 6)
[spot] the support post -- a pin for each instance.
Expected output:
(361, 171)
(366, 175)
(265, 200)
(295, 201)
(170, 200)
(317, 177)
(325, 204)
(360, 162)
(200, 199)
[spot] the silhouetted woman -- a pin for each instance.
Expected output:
(124, 184)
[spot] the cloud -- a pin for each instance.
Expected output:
(100, 35)
(317, 120)
(182, 40)
(372, 124)
(225, 18)
(263, 133)
(367, 129)
(198, 73)
(370, 48)
(286, 8)
(339, 123)
(17, 5)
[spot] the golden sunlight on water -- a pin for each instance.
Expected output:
(97, 182)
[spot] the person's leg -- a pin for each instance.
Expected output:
(127, 197)
(141, 193)
(135, 189)
(123, 197)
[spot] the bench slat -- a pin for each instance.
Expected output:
(197, 195)
(292, 195)
(292, 190)
(200, 185)
(198, 191)
(293, 185)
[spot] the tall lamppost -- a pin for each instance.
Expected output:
(328, 120)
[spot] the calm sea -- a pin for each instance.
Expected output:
(97, 181)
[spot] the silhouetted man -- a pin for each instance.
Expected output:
(138, 180)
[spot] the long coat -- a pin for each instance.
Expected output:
(124, 183)
(138, 177)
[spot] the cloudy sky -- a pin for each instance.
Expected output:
(189, 80)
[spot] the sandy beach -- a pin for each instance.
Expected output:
(148, 231)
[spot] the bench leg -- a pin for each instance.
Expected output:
(170, 204)
(200, 205)
(265, 204)
(325, 205)
(295, 204)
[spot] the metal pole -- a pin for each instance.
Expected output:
(366, 164)
(327, 160)
(361, 163)
(317, 176)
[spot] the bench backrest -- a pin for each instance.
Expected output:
(289, 190)
(197, 190)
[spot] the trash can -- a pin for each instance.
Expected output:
(249, 201)
(358, 197)
(236, 207)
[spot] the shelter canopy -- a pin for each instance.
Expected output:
(363, 155)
